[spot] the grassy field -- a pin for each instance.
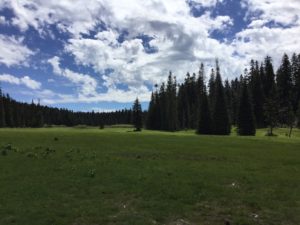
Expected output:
(84, 176)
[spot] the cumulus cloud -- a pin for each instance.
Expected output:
(135, 43)
(87, 89)
(283, 12)
(87, 85)
(26, 80)
(112, 95)
(176, 36)
(13, 51)
(3, 21)
(73, 16)
(205, 3)
(273, 29)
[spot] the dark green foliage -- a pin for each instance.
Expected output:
(271, 110)
(151, 113)
(221, 125)
(284, 88)
(257, 93)
(171, 109)
(188, 102)
(268, 77)
(298, 116)
(163, 107)
(204, 120)
(295, 80)
(188, 105)
(212, 88)
(235, 90)
(228, 99)
(2, 112)
(137, 115)
(16, 114)
(204, 115)
(245, 120)
(290, 119)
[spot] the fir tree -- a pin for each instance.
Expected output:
(137, 115)
(212, 87)
(257, 93)
(171, 103)
(151, 113)
(245, 119)
(271, 111)
(2, 112)
(298, 115)
(163, 107)
(269, 77)
(204, 119)
(284, 88)
(290, 119)
(221, 125)
(295, 80)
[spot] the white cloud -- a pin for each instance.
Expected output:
(13, 51)
(179, 40)
(87, 84)
(285, 12)
(265, 34)
(112, 95)
(177, 36)
(3, 21)
(206, 3)
(27, 81)
(74, 16)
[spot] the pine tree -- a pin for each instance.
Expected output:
(245, 119)
(171, 103)
(298, 115)
(290, 119)
(181, 107)
(221, 125)
(151, 113)
(163, 107)
(269, 77)
(271, 111)
(257, 93)
(8, 107)
(235, 87)
(2, 111)
(204, 119)
(228, 99)
(284, 88)
(295, 80)
(137, 115)
(212, 87)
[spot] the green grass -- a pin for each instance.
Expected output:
(115, 176)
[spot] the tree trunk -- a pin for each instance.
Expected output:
(290, 132)
(271, 130)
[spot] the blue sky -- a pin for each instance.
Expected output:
(102, 54)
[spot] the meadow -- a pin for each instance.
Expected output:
(89, 176)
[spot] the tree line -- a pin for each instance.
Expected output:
(258, 98)
(17, 114)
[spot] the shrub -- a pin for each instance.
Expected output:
(92, 173)
(31, 155)
(3, 152)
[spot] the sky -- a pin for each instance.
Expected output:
(102, 54)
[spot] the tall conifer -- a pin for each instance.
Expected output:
(245, 119)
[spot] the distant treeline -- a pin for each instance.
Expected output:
(16, 114)
(258, 98)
